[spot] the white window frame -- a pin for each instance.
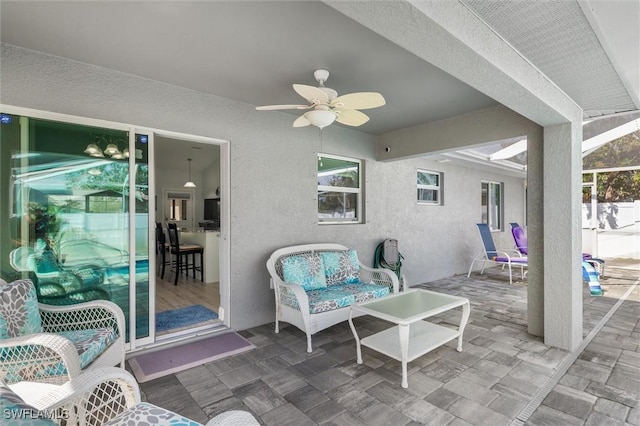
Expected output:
(499, 209)
(437, 188)
(359, 214)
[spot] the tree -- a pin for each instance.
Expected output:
(617, 185)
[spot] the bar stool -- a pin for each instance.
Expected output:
(182, 252)
(161, 248)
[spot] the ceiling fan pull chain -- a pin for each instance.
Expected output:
(320, 152)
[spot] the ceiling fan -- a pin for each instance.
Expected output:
(326, 106)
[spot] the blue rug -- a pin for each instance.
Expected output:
(183, 317)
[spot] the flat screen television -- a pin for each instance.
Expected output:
(212, 209)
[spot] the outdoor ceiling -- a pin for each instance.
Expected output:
(252, 51)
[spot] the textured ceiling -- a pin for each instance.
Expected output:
(252, 51)
(559, 40)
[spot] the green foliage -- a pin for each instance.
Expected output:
(43, 222)
(622, 152)
(617, 185)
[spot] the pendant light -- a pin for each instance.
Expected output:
(189, 183)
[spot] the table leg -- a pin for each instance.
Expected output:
(403, 331)
(463, 323)
(355, 336)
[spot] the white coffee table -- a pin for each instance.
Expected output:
(411, 337)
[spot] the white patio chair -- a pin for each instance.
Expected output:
(101, 396)
(51, 344)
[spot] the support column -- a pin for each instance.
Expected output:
(562, 235)
(535, 234)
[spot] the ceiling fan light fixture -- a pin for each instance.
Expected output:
(321, 118)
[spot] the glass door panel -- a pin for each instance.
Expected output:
(140, 197)
(65, 192)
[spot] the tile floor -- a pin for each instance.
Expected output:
(491, 382)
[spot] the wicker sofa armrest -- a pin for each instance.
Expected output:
(299, 293)
(26, 358)
(379, 276)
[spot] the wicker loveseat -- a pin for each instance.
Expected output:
(315, 284)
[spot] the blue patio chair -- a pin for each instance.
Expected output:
(491, 254)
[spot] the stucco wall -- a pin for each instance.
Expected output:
(273, 168)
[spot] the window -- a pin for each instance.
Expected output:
(339, 189)
(429, 187)
(492, 205)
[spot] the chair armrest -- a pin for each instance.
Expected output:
(82, 316)
(94, 397)
(379, 276)
(35, 358)
(505, 253)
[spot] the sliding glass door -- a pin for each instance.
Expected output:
(75, 213)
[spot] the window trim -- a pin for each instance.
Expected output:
(359, 215)
(500, 185)
(438, 188)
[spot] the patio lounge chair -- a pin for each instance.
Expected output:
(493, 255)
(520, 239)
(592, 267)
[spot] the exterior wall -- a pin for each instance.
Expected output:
(273, 175)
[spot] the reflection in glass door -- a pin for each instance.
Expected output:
(67, 191)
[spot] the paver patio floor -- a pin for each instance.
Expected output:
(498, 373)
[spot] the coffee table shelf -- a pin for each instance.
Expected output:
(423, 338)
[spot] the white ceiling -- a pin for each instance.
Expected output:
(172, 155)
(252, 51)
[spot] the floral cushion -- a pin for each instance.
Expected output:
(19, 313)
(338, 296)
(14, 411)
(306, 270)
(145, 414)
(90, 343)
(341, 267)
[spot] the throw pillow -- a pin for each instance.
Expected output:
(19, 309)
(341, 267)
(306, 270)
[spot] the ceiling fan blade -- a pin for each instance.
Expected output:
(351, 117)
(360, 100)
(312, 94)
(301, 122)
(276, 107)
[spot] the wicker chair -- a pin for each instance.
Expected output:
(50, 344)
(101, 396)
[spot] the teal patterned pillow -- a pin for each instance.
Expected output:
(306, 270)
(341, 267)
(19, 309)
